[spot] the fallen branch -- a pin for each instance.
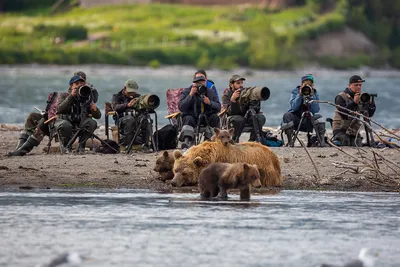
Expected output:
(309, 155)
(363, 161)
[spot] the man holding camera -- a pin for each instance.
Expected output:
(123, 103)
(344, 127)
(35, 129)
(236, 111)
(76, 109)
(196, 100)
(299, 103)
(209, 83)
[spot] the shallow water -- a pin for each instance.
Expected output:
(144, 228)
(23, 87)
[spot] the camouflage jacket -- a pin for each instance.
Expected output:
(66, 103)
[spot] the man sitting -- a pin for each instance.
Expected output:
(236, 111)
(195, 100)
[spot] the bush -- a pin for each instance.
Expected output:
(155, 64)
(68, 32)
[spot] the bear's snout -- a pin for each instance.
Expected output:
(173, 183)
(257, 183)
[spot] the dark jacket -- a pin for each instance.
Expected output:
(119, 102)
(235, 108)
(350, 104)
(67, 105)
(191, 105)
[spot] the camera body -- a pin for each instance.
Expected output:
(201, 89)
(365, 99)
(306, 90)
(83, 93)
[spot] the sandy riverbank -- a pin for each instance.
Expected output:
(135, 171)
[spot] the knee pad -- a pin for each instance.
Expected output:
(187, 131)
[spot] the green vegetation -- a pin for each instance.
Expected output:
(160, 34)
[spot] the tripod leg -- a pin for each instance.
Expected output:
(241, 127)
(69, 145)
(257, 129)
(297, 131)
(197, 137)
(208, 128)
(128, 150)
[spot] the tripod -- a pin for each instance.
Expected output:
(146, 125)
(251, 113)
(202, 117)
(78, 132)
(307, 115)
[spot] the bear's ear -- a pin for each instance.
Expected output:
(177, 154)
(165, 154)
(255, 166)
(231, 131)
(199, 162)
(245, 166)
(217, 131)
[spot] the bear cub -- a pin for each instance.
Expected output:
(223, 136)
(165, 165)
(219, 177)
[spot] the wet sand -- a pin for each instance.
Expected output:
(135, 171)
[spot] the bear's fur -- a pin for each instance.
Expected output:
(223, 136)
(223, 176)
(164, 166)
(187, 167)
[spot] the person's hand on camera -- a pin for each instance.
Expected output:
(235, 96)
(193, 91)
(93, 107)
(73, 92)
(356, 98)
(206, 100)
(132, 102)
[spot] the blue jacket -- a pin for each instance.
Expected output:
(211, 85)
(296, 101)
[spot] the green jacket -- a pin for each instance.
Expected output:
(66, 102)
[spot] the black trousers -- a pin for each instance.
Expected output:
(306, 125)
(213, 120)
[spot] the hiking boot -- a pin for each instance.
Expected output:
(26, 147)
(186, 143)
(22, 139)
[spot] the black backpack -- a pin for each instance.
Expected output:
(167, 137)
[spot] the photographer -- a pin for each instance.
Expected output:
(209, 83)
(35, 129)
(345, 128)
(191, 101)
(236, 111)
(291, 119)
(123, 103)
(76, 109)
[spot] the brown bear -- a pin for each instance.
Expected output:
(223, 136)
(164, 166)
(187, 167)
(223, 176)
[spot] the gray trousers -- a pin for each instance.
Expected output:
(65, 129)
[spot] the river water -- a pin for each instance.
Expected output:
(22, 87)
(145, 228)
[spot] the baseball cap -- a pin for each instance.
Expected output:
(199, 78)
(235, 78)
(131, 86)
(80, 73)
(307, 77)
(75, 79)
(355, 79)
